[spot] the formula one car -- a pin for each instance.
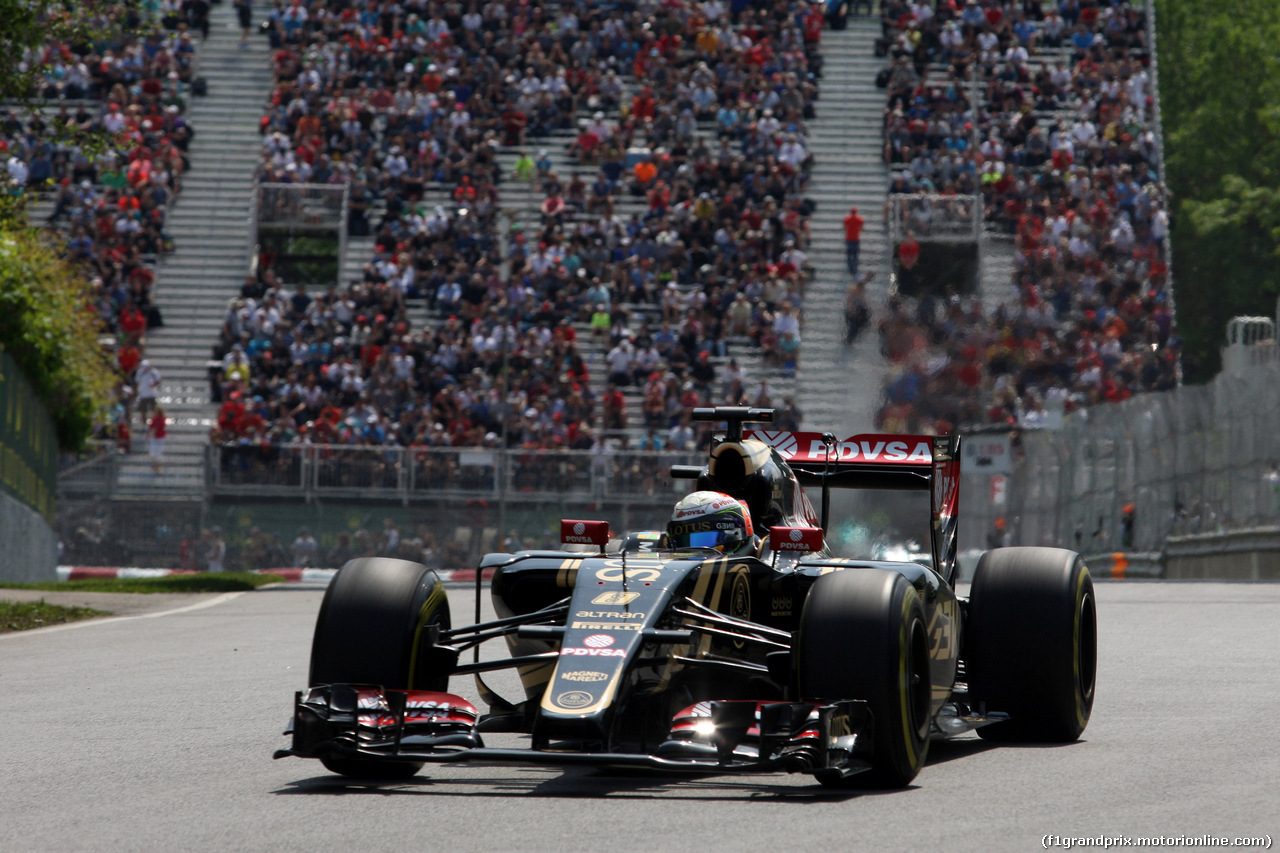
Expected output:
(705, 648)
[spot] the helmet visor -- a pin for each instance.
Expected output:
(718, 539)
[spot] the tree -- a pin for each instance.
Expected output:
(45, 319)
(28, 25)
(46, 325)
(1219, 87)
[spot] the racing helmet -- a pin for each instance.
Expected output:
(710, 520)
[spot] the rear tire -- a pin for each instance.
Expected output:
(863, 635)
(370, 631)
(1032, 643)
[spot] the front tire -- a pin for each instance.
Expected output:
(863, 635)
(1032, 644)
(371, 630)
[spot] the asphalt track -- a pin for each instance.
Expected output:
(154, 732)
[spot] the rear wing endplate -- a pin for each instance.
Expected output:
(885, 462)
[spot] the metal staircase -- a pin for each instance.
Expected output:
(208, 223)
(839, 386)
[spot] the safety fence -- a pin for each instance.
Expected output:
(28, 443)
(417, 473)
(1128, 476)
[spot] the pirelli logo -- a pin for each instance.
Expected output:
(606, 626)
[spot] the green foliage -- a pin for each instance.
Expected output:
(44, 323)
(199, 582)
(1219, 84)
(27, 24)
(303, 258)
(25, 615)
(46, 326)
(1219, 97)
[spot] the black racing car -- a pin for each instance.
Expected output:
(663, 655)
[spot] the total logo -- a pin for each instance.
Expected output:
(598, 641)
(783, 442)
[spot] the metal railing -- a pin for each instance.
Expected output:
(932, 216)
(301, 205)
(92, 475)
(313, 209)
(1250, 340)
(432, 473)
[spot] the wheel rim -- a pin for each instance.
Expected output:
(919, 685)
(1086, 650)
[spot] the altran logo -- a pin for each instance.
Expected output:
(796, 535)
(783, 442)
(579, 529)
(598, 641)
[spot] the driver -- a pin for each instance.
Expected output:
(712, 520)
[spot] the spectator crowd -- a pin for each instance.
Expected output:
(1059, 145)
(692, 114)
(678, 237)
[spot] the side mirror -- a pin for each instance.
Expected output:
(795, 539)
(575, 532)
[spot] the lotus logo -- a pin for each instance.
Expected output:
(796, 535)
(574, 699)
(579, 529)
(598, 641)
(783, 442)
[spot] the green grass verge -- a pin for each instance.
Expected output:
(200, 582)
(25, 615)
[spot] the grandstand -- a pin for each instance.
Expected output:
(524, 223)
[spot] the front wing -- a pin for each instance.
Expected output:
(363, 721)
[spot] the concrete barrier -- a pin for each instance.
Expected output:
(1126, 564)
(30, 544)
(1251, 554)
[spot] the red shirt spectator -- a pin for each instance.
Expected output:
(813, 24)
(231, 413)
(128, 358)
(853, 223)
(132, 321)
(643, 104)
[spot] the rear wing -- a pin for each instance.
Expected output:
(887, 462)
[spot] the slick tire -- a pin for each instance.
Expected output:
(863, 635)
(1032, 643)
(370, 631)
